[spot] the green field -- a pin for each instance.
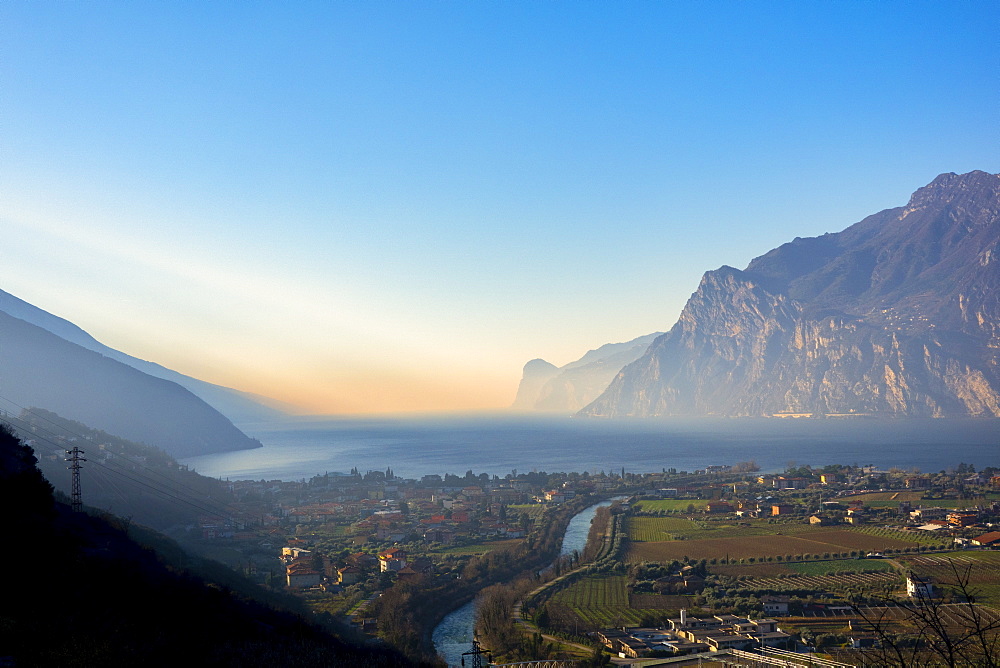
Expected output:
(681, 505)
(982, 568)
(479, 548)
(821, 541)
(532, 510)
(652, 529)
(602, 602)
(774, 569)
(840, 566)
(660, 528)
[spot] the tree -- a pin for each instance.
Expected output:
(953, 629)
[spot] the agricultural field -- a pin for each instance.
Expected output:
(807, 541)
(478, 548)
(915, 497)
(652, 529)
(676, 505)
(772, 569)
(872, 582)
(981, 567)
(841, 566)
(883, 499)
(600, 602)
(921, 537)
(759, 569)
(532, 510)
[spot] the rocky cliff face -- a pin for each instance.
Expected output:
(546, 387)
(898, 315)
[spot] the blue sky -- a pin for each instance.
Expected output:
(392, 206)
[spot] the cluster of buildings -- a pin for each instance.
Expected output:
(686, 635)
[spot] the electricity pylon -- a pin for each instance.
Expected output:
(76, 495)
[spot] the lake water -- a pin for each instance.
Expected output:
(454, 634)
(498, 444)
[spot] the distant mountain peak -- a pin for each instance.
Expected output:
(896, 315)
(545, 387)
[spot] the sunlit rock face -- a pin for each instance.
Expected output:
(546, 387)
(898, 315)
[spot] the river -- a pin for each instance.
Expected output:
(454, 634)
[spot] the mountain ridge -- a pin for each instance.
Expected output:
(897, 315)
(546, 387)
(41, 369)
(236, 405)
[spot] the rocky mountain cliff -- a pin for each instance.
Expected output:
(546, 387)
(898, 315)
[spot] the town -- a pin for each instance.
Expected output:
(847, 564)
(722, 559)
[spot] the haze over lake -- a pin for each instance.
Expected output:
(499, 443)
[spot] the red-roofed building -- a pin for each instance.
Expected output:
(987, 539)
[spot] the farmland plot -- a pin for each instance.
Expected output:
(825, 541)
(597, 602)
(874, 582)
(982, 569)
(680, 505)
(652, 529)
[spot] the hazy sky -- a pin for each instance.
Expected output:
(393, 206)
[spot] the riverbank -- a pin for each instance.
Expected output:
(499, 622)
(408, 611)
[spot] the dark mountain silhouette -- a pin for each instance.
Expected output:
(131, 480)
(38, 368)
(238, 406)
(93, 590)
(898, 315)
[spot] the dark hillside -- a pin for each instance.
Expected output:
(127, 479)
(83, 592)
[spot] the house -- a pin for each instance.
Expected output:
(775, 605)
(348, 575)
(782, 509)
(439, 535)
(292, 553)
(816, 520)
(791, 482)
(919, 587)
(855, 515)
(962, 519)
(559, 496)
(392, 560)
(990, 539)
(719, 507)
(924, 514)
(300, 575)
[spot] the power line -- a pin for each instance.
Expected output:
(76, 495)
(174, 483)
(149, 483)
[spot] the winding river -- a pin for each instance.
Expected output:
(454, 634)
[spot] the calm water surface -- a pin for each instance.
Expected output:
(498, 444)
